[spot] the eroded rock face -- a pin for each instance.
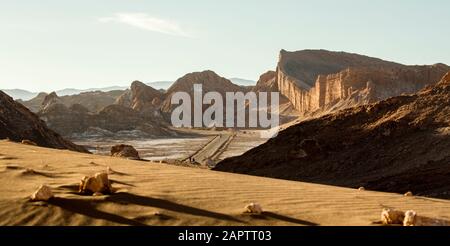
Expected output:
(397, 145)
(18, 123)
(125, 151)
(319, 81)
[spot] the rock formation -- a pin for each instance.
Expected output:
(131, 114)
(209, 80)
(113, 120)
(268, 83)
(140, 97)
(320, 81)
(35, 103)
(18, 123)
(397, 145)
(92, 101)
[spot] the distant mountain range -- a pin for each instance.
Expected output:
(159, 85)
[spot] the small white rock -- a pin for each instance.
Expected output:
(254, 208)
(44, 193)
(409, 193)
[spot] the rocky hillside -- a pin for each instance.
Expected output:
(18, 123)
(396, 145)
(113, 121)
(320, 81)
(93, 101)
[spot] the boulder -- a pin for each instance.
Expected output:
(44, 193)
(125, 151)
(97, 184)
(409, 193)
(392, 217)
(413, 219)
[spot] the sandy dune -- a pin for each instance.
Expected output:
(156, 194)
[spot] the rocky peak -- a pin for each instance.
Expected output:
(49, 100)
(140, 97)
(209, 80)
(267, 82)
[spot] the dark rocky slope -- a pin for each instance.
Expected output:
(18, 123)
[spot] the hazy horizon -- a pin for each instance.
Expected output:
(52, 45)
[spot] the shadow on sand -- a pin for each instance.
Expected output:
(88, 207)
(127, 198)
(275, 216)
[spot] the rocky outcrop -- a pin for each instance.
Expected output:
(397, 145)
(141, 97)
(319, 81)
(35, 103)
(18, 123)
(50, 100)
(210, 81)
(268, 83)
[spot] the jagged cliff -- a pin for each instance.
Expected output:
(318, 81)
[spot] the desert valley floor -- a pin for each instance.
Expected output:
(156, 194)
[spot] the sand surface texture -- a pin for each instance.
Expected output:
(157, 194)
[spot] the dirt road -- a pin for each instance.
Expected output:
(212, 150)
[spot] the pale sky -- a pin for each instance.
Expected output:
(48, 45)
